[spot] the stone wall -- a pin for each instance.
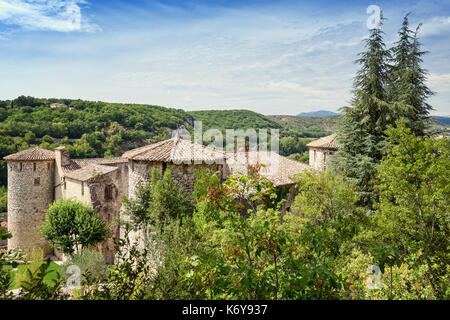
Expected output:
(183, 175)
(30, 192)
(109, 208)
(318, 158)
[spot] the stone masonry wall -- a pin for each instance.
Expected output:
(182, 174)
(318, 158)
(30, 192)
(109, 209)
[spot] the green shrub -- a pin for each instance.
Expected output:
(3, 199)
(91, 263)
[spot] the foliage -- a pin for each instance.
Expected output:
(303, 157)
(248, 252)
(383, 93)
(412, 215)
(70, 226)
(7, 259)
(91, 263)
(407, 79)
(129, 278)
(155, 201)
(3, 199)
(32, 282)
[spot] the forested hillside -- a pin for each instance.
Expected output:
(100, 129)
(88, 129)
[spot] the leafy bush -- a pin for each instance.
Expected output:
(91, 263)
(70, 226)
(3, 199)
(36, 258)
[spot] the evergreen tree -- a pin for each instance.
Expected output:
(361, 135)
(407, 89)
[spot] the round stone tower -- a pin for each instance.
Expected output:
(30, 192)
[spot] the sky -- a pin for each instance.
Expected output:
(272, 57)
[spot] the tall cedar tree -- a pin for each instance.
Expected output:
(361, 135)
(407, 89)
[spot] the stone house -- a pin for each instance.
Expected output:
(321, 150)
(37, 177)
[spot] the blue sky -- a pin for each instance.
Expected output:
(282, 57)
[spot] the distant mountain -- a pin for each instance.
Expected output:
(320, 113)
(443, 120)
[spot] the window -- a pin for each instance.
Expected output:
(34, 166)
(21, 166)
(82, 188)
(108, 192)
(314, 155)
(37, 181)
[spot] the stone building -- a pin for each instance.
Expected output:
(321, 150)
(37, 177)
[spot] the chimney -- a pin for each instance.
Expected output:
(62, 156)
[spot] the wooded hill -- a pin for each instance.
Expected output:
(100, 129)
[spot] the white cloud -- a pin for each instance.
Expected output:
(439, 82)
(435, 26)
(51, 15)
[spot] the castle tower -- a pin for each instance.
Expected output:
(30, 192)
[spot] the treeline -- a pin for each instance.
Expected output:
(89, 129)
(99, 129)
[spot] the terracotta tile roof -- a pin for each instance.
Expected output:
(175, 150)
(277, 168)
(76, 164)
(32, 154)
(328, 142)
(89, 171)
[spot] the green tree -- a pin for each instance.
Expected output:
(248, 251)
(407, 78)
(70, 226)
(361, 133)
(156, 201)
(412, 217)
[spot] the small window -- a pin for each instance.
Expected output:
(48, 166)
(37, 181)
(82, 188)
(21, 167)
(108, 192)
(34, 166)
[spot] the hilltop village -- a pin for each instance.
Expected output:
(37, 177)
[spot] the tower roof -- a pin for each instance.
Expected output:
(328, 142)
(174, 150)
(31, 154)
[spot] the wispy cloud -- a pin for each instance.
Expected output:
(51, 15)
(435, 26)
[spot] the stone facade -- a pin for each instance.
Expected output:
(318, 158)
(30, 192)
(182, 174)
(37, 177)
(106, 194)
